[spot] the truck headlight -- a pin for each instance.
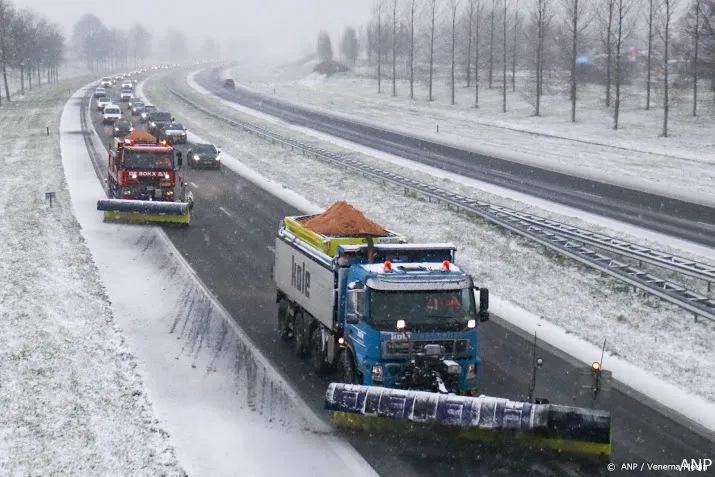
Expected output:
(153, 125)
(471, 371)
(453, 367)
(377, 374)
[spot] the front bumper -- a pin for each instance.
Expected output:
(176, 139)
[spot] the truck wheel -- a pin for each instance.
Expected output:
(317, 358)
(346, 368)
(300, 344)
(283, 328)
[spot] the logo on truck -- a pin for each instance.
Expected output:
(300, 277)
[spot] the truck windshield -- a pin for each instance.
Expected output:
(423, 311)
(148, 160)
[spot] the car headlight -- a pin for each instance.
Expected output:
(196, 157)
(116, 129)
(218, 158)
(153, 125)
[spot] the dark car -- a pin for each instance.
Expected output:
(122, 127)
(137, 108)
(204, 155)
(148, 109)
(157, 120)
(229, 83)
(173, 133)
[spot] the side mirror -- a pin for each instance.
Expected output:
(179, 159)
(218, 151)
(352, 318)
(483, 304)
(172, 119)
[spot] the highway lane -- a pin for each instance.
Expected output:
(234, 224)
(663, 214)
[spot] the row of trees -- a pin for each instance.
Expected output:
(660, 43)
(349, 46)
(30, 45)
(104, 49)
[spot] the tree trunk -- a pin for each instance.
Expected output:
(394, 47)
(539, 56)
(491, 45)
(695, 57)
(649, 64)
(574, 51)
(412, 51)
(666, 99)
(379, 49)
(4, 76)
(514, 47)
(454, 35)
(431, 50)
(504, 64)
(469, 44)
(619, 41)
(609, 48)
(476, 58)
(39, 75)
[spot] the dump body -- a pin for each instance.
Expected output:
(345, 300)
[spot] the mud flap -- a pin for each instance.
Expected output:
(540, 426)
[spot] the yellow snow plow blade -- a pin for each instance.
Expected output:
(143, 211)
(430, 416)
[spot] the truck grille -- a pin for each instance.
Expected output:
(404, 348)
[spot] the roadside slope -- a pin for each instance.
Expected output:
(71, 400)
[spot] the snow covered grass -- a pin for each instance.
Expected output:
(71, 400)
(640, 329)
(681, 163)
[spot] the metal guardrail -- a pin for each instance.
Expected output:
(570, 241)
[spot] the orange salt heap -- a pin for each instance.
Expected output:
(343, 219)
(140, 136)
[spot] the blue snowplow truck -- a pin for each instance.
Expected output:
(368, 306)
(398, 323)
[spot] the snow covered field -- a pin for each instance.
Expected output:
(639, 329)
(226, 408)
(71, 400)
(683, 163)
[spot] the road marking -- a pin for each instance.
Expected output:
(225, 211)
(194, 185)
(271, 249)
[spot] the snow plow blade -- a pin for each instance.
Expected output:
(572, 430)
(145, 211)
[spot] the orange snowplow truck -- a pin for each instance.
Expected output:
(141, 181)
(142, 169)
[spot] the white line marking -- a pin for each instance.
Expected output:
(194, 185)
(225, 211)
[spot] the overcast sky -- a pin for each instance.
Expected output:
(272, 25)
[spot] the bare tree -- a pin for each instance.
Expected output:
(478, 23)
(394, 47)
(453, 5)
(412, 49)
(491, 43)
(7, 14)
(652, 12)
(504, 64)
(668, 17)
(140, 39)
(606, 13)
(515, 46)
(433, 19)
(542, 18)
(623, 9)
(470, 29)
(696, 47)
(379, 46)
(576, 23)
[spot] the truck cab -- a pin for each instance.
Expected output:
(143, 171)
(378, 310)
(411, 296)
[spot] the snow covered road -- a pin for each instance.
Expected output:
(226, 408)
